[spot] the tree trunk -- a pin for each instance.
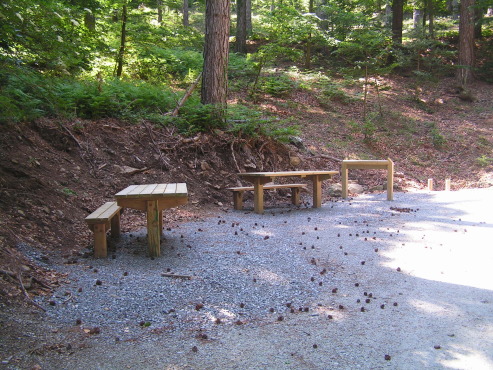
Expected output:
(216, 54)
(397, 20)
(249, 26)
(466, 42)
(159, 11)
(431, 13)
(241, 29)
(121, 52)
(186, 21)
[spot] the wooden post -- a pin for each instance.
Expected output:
(161, 222)
(390, 180)
(100, 246)
(447, 184)
(344, 176)
(295, 196)
(430, 184)
(153, 232)
(238, 200)
(115, 226)
(258, 196)
(317, 191)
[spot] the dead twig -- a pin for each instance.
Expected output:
(234, 158)
(71, 135)
(164, 274)
(19, 277)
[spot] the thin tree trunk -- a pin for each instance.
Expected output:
(121, 52)
(216, 54)
(241, 29)
(159, 11)
(249, 26)
(466, 42)
(186, 21)
(431, 13)
(397, 20)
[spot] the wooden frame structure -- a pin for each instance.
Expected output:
(369, 164)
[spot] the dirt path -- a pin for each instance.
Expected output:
(363, 279)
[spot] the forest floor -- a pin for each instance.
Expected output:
(55, 172)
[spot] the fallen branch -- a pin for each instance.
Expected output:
(164, 274)
(186, 96)
(19, 277)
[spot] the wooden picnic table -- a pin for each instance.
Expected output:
(259, 179)
(153, 199)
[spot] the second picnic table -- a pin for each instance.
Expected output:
(259, 179)
(153, 199)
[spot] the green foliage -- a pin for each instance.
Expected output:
(437, 138)
(278, 86)
(156, 64)
(248, 122)
(484, 161)
(196, 117)
(427, 57)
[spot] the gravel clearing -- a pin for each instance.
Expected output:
(362, 283)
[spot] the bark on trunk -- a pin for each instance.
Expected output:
(397, 20)
(216, 53)
(466, 42)
(241, 26)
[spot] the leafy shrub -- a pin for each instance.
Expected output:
(279, 86)
(247, 122)
(157, 64)
(196, 117)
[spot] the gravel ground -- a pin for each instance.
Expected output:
(363, 283)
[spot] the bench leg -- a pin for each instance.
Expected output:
(295, 196)
(238, 200)
(153, 232)
(161, 222)
(100, 246)
(115, 226)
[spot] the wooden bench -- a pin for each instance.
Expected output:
(369, 164)
(238, 192)
(104, 218)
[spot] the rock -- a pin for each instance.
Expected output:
(355, 188)
(294, 161)
(205, 166)
(335, 190)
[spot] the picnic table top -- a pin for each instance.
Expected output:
(154, 191)
(287, 173)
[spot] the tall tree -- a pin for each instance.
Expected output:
(123, 36)
(216, 54)
(397, 21)
(186, 20)
(241, 26)
(466, 42)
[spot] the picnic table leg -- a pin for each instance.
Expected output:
(160, 222)
(317, 191)
(258, 196)
(344, 177)
(153, 232)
